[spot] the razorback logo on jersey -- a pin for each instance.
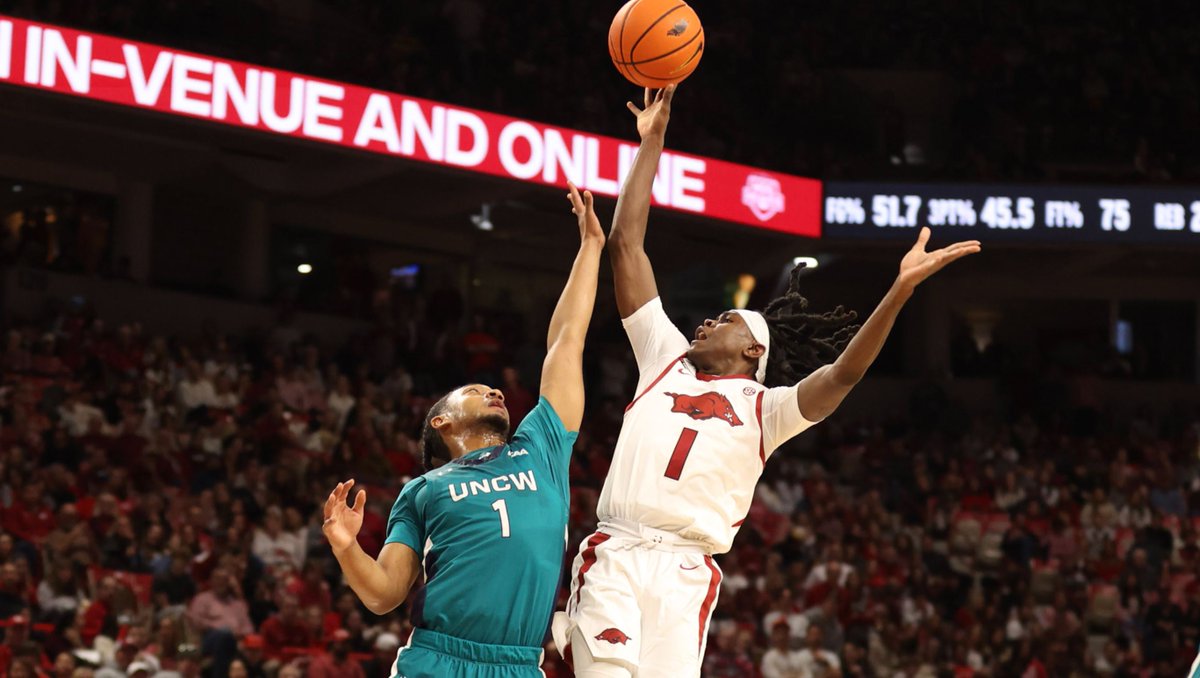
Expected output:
(711, 405)
(613, 636)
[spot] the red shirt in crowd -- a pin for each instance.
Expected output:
(93, 621)
(307, 594)
(403, 464)
(30, 524)
(481, 350)
(519, 402)
(279, 634)
(977, 503)
(370, 537)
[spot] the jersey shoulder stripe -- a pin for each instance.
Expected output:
(762, 449)
(655, 382)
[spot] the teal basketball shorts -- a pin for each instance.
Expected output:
(436, 655)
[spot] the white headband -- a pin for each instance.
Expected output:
(759, 332)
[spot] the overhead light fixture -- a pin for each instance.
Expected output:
(304, 269)
(483, 220)
(808, 262)
(17, 188)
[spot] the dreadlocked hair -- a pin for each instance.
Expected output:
(432, 446)
(802, 342)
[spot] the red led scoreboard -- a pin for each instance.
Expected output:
(139, 75)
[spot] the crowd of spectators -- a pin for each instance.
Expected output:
(160, 496)
(1037, 90)
(160, 502)
(1010, 549)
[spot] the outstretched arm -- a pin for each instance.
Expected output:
(820, 393)
(633, 276)
(562, 372)
(380, 584)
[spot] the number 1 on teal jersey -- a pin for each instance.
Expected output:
(502, 508)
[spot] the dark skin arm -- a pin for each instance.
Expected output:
(820, 393)
(381, 584)
(633, 276)
(562, 371)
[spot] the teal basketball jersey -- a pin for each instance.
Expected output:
(491, 530)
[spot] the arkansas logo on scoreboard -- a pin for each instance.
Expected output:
(763, 195)
(711, 405)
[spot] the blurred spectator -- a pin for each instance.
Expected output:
(730, 658)
(100, 615)
(196, 390)
(174, 587)
(286, 628)
(380, 663)
(276, 546)
(122, 662)
(816, 661)
(517, 398)
(221, 614)
(14, 593)
(16, 636)
(781, 661)
(336, 664)
(341, 401)
(252, 657)
(785, 611)
(481, 347)
(59, 594)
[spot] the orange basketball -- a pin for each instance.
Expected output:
(656, 42)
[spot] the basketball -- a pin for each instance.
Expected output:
(655, 43)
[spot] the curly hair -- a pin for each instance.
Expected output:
(802, 342)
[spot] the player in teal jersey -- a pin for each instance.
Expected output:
(489, 525)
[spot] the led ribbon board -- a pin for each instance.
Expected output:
(139, 75)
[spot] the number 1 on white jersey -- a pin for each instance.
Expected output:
(683, 447)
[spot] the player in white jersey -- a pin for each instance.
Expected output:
(707, 415)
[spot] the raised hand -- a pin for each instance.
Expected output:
(343, 522)
(918, 264)
(652, 119)
(582, 206)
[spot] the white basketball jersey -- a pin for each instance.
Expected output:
(692, 447)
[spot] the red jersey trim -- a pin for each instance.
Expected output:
(762, 448)
(706, 606)
(589, 559)
(654, 383)
(721, 377)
